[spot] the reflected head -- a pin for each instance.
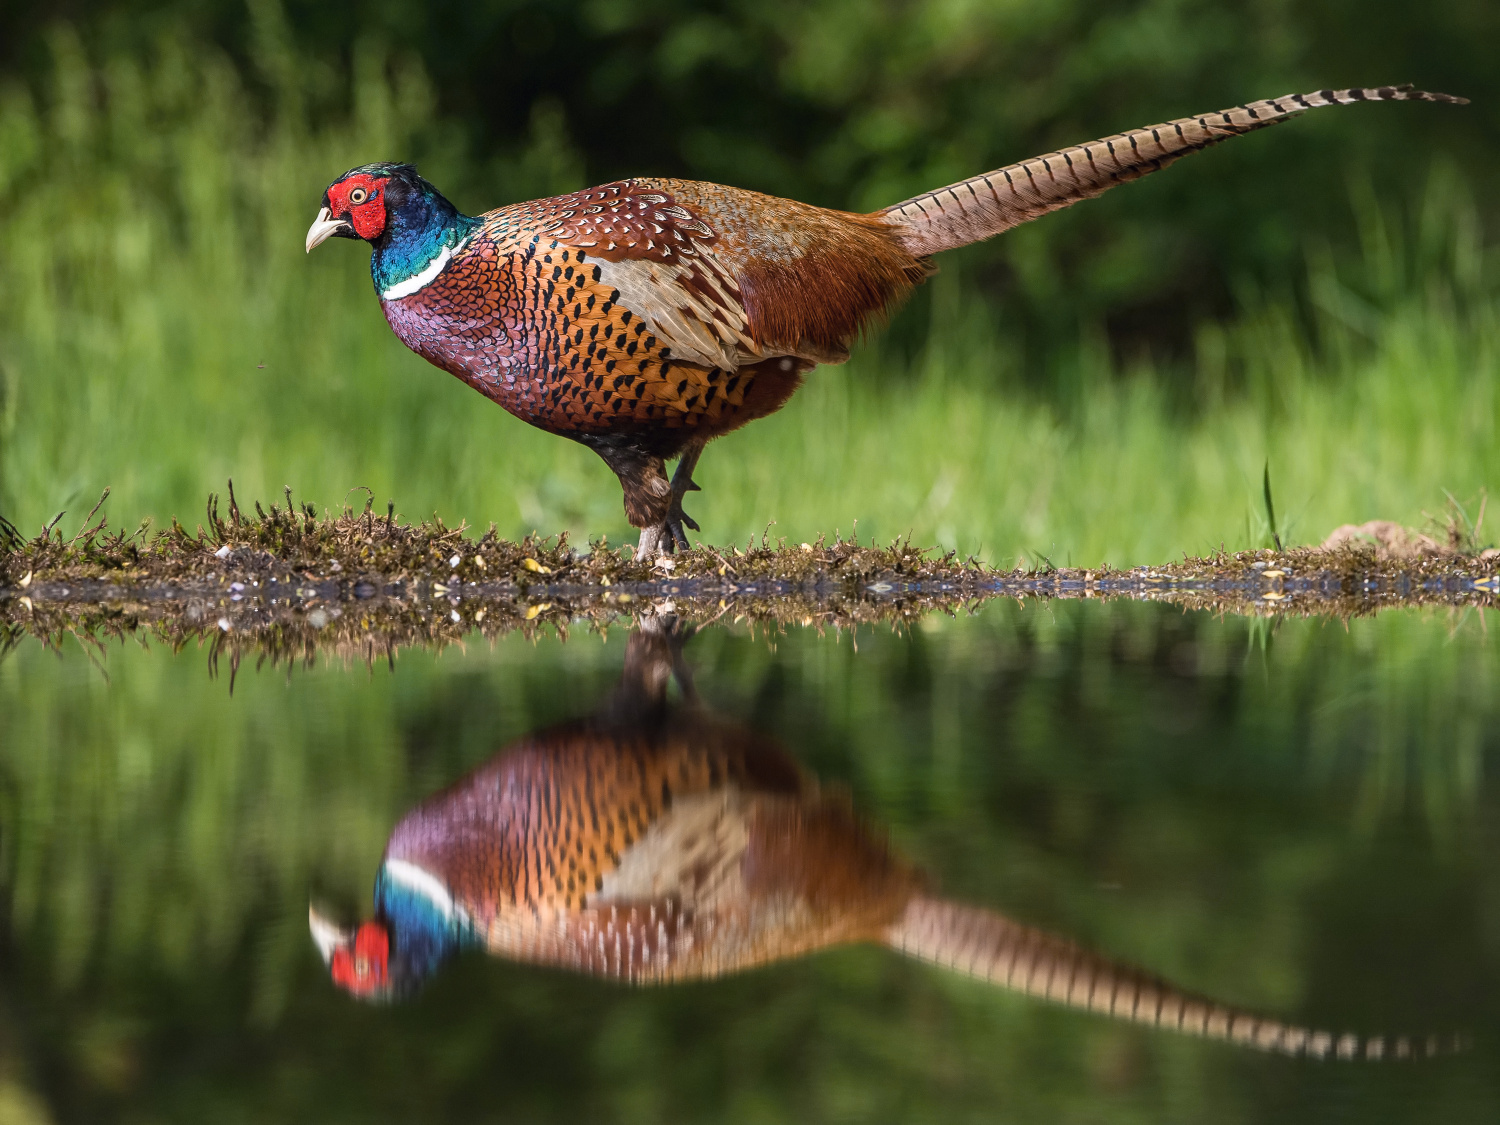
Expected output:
(359, 960)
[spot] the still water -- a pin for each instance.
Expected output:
(789, 842)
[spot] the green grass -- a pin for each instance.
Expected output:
(161, 330)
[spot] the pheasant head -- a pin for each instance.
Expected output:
(413, 229)
(417, 926)
(359, 960)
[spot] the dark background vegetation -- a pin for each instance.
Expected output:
(857, 104)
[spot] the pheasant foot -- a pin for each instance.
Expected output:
(666, 537)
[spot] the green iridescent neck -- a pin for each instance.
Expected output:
(421, 236)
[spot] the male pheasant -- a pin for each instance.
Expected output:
(655, 843)
(646, 317)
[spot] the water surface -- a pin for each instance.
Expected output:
(1294, 818)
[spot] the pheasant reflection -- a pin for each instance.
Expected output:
(653, 842)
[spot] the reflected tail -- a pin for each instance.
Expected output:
(982, 206)
(992, 948)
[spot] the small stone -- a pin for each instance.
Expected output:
(454, 561)
(222, 552)
(224, 624)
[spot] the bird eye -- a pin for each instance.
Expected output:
(358, 196)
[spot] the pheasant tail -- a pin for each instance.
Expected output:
(983, 206)
(994, 949)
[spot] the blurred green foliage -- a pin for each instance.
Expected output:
(1294, 819)
(855, 104)
(1104, 385)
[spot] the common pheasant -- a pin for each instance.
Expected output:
(646, 317)
(655, 843)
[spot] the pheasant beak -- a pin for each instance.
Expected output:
(326, 935)
(324, 227)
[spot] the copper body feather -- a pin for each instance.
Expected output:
(687, 850)
(653, 305)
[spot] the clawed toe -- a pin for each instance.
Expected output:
(676, 518)
(668, 537)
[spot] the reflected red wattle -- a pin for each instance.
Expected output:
(363, 967)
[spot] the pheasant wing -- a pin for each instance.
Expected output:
(659, 256)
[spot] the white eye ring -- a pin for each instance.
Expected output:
(358, 196)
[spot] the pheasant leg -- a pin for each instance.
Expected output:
(666, 537)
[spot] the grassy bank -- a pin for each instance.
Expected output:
(161, 330)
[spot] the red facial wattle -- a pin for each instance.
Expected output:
(363, 967)
(360, 199)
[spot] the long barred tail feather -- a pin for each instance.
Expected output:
(978, 208)
(994, 949)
